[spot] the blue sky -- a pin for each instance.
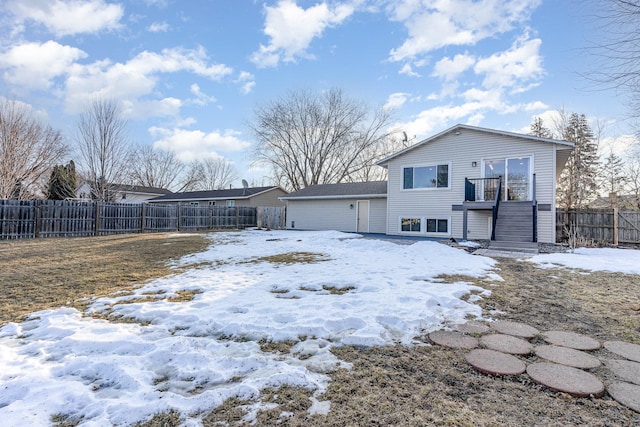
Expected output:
(190, 73)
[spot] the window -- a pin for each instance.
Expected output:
(212, 203)
(425, 225)
(435, 225)
(194, 203)
(231, 203)
(410, 225)
(435, 176)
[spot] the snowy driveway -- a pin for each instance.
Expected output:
(192, 355)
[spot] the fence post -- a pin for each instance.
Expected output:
(36, 225)
(237, 218)
(179, 215)
(142, 217)
(97, 224)
(615, 226)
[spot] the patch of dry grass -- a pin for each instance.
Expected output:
(293, 258)
(49, 273)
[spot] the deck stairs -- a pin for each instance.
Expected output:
(514, 228)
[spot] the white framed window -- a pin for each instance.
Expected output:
(437, 225)
(426, 225)
(212, 203)
(194, 203)
(231, 203)
(410, 225)
(426, 177)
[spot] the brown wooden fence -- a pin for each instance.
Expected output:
(611, 226)
(54, 218)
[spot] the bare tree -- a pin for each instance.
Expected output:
(616, 56)
(632, 172)
(29, 149)
(102, 140)
(312, 139)
(213, 174)
(151, 167)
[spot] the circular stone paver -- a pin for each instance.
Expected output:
(626, 394)
(506, 344)
(495, 363)
(566, 379)
(571, 340)
(515, 329)
(567, 356)
(625, 370)
(453, 339)
(624, 349)
(471, 328)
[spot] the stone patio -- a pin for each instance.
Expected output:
(563, 363)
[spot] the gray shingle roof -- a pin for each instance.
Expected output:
(342, 190)
(231, 193)
(141, 189)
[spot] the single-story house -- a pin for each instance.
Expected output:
(250, 196)
(466, 182)
(125, 193)
(352, 207)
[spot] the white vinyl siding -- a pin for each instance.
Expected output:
(459, 151)
(334, 214)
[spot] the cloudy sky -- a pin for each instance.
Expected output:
(189, 74)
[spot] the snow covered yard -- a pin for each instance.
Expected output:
(315, 289)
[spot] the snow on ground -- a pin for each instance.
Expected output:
(192, 355)
(593, 259)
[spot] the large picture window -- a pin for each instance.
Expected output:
(435, 176)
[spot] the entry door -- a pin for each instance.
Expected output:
(363, 216)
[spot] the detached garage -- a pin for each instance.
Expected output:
(352, 207)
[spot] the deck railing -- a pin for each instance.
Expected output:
(481, 189)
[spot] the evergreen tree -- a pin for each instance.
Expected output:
(63, 181)
(538, 129)
(578, 182)
(612, 175)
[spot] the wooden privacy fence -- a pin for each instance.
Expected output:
(54, 218)
(611, 226)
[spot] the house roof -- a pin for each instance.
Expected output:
(140, 189)
(459, 127)
(623, 201)
(370, 189)
(227, 194)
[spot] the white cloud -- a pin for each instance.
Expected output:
(433, 24)
(396, 100)
(158, 27)
(247, 82)
(291, 29)
(136, 78)
(201, 98)
(35, 65)
(68, 17)
(195, 144)
(521, 63)
(450, 68)
(408, 70)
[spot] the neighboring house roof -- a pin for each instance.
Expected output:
(228, 194)
(140, 189)
(565, 144)
(346, 190)
(622, 201)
